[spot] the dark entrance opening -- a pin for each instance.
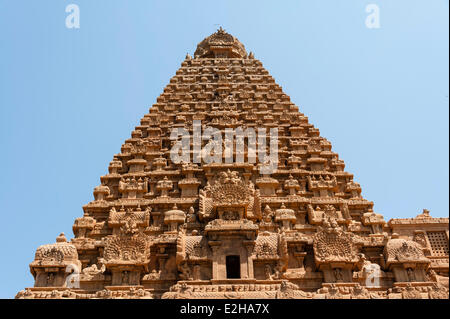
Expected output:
(233, 267)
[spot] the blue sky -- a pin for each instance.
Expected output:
(70, 97)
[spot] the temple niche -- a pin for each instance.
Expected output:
(227, 229)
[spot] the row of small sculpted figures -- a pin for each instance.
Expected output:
(429, 292)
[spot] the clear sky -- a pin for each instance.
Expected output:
(70, 97)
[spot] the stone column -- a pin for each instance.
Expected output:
(215, 245)
(249, 245)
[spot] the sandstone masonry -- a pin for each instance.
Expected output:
(224, 230)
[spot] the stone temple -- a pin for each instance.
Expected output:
(160, 229)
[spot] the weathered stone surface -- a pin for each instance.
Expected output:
(157, 229)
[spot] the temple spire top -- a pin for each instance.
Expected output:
(220, 45)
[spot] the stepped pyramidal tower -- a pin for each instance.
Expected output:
(227, 228)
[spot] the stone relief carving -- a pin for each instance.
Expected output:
(332, 244)
(126, 249)
(229, 190)
(400, 250)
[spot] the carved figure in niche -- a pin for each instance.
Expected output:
(268, 272)
(125, 277)
(198, 250)
(410, 273)
(50, 279)
(185, 271)
(268, 214)
(126, 255)
(278, 273)
(230, 216)
(330, 211)
(338, 274)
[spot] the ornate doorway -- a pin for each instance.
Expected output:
(233, 264)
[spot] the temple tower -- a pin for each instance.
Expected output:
(252, 204)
